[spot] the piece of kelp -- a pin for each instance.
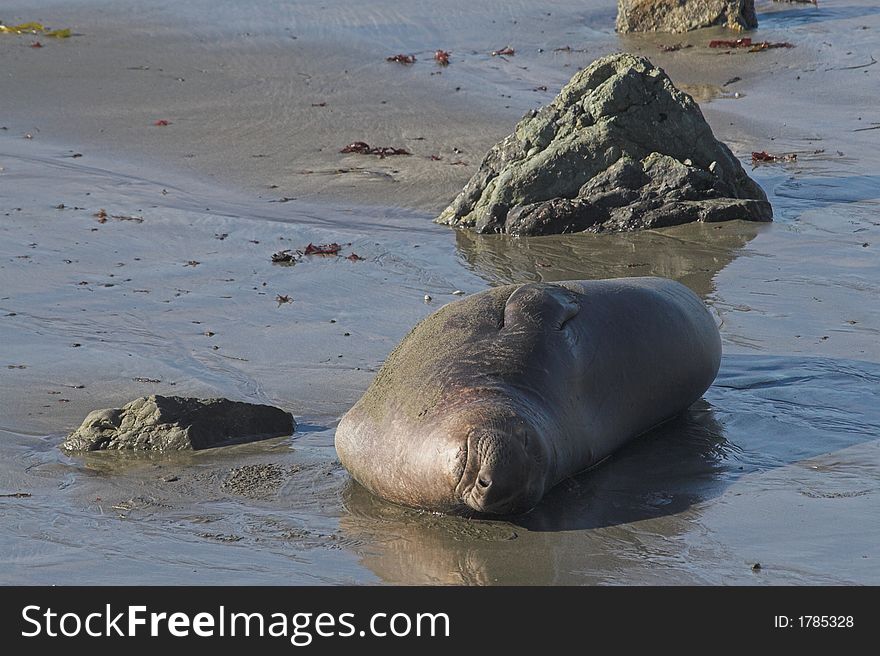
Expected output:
(33, 27)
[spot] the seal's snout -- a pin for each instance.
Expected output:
(502, 476)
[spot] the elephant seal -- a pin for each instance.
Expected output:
(492, 400)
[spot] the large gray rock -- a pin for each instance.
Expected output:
(174, 423)
(684, 15)
(620, 148)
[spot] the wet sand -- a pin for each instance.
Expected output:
(177, 295)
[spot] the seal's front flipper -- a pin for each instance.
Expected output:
(540, 304)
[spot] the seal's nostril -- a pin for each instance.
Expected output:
(482, 482)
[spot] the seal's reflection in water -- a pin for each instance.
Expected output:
(691, 254)
(664, 472)
(661, 474)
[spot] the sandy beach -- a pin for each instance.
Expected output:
(152, 163)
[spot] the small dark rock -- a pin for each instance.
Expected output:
(175, 423)
(283, 257)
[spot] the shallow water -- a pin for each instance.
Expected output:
(778, 465)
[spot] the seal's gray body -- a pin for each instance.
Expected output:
(494, 399)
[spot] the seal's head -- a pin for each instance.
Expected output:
(506, 466)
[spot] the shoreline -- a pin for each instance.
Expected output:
(268, 112)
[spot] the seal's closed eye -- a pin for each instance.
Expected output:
(541, 304)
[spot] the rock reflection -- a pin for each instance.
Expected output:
(691, 254)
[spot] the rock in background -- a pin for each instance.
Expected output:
(619, 149)
(174, 423)
(684, 15)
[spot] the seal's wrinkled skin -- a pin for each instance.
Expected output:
(494, 399)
